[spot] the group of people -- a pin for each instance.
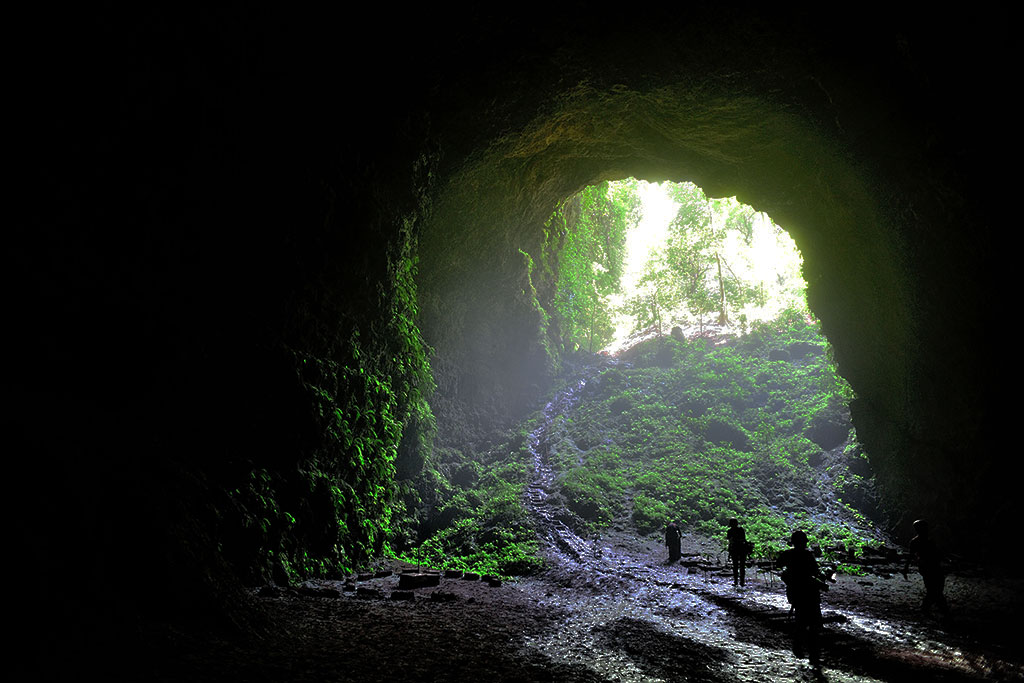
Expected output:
(803, 578)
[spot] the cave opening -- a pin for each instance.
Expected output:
(647, 263)
(726, 369)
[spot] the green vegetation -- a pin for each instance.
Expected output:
(586, 239)
(693, 431)
(368, 434)
(696, 430)
(475, 519)
(700, 433)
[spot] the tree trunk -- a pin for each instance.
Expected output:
(723, 319)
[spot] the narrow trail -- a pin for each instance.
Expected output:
(631, 616)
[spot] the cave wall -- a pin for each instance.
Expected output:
(211, 198)
(862, 140)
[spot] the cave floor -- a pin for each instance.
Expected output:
(624, 614)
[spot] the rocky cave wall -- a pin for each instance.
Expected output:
(215, 199)
(861, 141)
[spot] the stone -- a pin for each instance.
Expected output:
(418, 580)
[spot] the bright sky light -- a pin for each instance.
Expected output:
(658, 211)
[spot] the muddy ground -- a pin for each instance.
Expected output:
(623, 614)
(606, 609)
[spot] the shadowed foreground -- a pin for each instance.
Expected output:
(644, 621)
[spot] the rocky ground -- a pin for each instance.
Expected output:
(622, 615)
(606, 609)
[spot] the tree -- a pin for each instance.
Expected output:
(594, 224)
(657, 295)
(695, 252)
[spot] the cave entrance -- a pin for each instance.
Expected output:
(721, 399)
(640, 259)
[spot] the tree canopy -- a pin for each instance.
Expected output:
(720, 260)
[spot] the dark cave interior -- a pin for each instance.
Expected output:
(209, 195)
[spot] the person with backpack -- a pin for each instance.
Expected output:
(804, 583)
(739, 549)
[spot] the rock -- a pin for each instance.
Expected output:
(441, 596)
(828, 428)
(318, 592)
(418, 580)
(492, 581)
(803, 349)
(471, 576)
(452, 574)
(620, 405)
(719, 431)
(405, 596)
(279, 574)
(370, 593)
(779, 354)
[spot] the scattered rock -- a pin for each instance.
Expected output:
(418, 580)
(318, 591)
(803, 349)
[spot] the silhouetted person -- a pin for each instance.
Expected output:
(673, 539)
(929, 562)
(738, 551)
(803, 589)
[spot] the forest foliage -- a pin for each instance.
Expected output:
(588, 237)
(721, 262)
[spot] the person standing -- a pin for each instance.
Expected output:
(673, 539)
(737, 538)
(929, 562)
(803, 589)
